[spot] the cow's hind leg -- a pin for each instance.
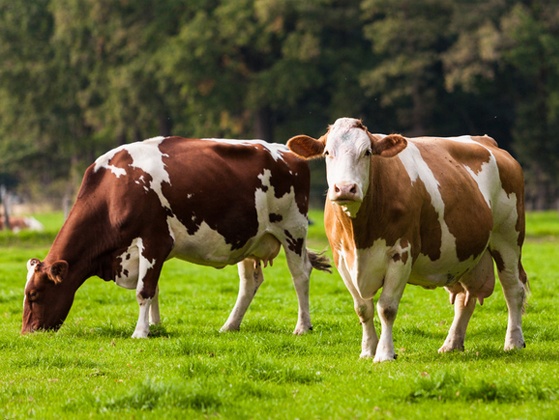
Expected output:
(250, 279)
(463, 311)
(476, 284)
(515, 288)
(300, 268)
(154, 316)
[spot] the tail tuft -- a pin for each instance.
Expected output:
(320, 261)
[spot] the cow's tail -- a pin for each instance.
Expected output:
(319, 261)
(525, 284)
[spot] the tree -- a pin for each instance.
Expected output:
(511, 59)
(81, 76)
(531, 47)
(35, 112)
(407, 37)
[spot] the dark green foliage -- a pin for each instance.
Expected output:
(81, 76)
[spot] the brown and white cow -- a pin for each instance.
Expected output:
(426, 211)
(211, 202)
(17, 224)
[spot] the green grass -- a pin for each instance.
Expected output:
(187, 369)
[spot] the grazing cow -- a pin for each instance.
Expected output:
(211, 202)
(426, 211)
(17, 224)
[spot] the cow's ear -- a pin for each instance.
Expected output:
(306, 146)
(388, 146)
(58, 271)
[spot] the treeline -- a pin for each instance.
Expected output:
(78, 77)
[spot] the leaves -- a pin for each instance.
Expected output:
(81, 76)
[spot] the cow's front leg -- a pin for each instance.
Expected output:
(250, 279)
(387, 307)
(142, 326)
(146, 289)
(365, 310)
(148, 301)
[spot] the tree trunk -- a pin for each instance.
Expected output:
(263, 126)
(4, 199)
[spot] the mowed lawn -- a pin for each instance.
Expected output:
(92, 368)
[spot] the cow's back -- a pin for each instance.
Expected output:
(444, 195)
(215, 199)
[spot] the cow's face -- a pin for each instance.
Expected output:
(47, 298)
(348, 148)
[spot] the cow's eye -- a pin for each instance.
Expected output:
(326, 153)
(368, 152)
(33, 295)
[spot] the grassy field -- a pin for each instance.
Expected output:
(92, 368)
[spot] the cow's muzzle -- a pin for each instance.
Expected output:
(345, 193)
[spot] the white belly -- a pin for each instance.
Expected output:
(208, 247)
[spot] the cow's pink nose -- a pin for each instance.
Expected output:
(345, 192)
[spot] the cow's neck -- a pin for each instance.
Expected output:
(82, 243)
(380, 213)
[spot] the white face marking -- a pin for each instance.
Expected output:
(30, 270)
(347, 161)
(275, 149)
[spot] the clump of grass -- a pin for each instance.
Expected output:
(452, 386)
(152, 395)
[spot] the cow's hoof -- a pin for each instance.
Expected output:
(515, 346)
(229, 328)
(385, 358)
(448, 349)
(140, 334)
(365, 354)
(302, 330)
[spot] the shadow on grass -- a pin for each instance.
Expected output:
(114, 331)
(485, 353)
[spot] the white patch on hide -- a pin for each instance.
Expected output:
(416, 168)
(130, 262)
(276, 150)
(145, 156)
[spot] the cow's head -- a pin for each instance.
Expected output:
(348, 148)
(48, 297)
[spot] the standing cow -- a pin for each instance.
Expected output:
(211, 202)
(427, 211)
